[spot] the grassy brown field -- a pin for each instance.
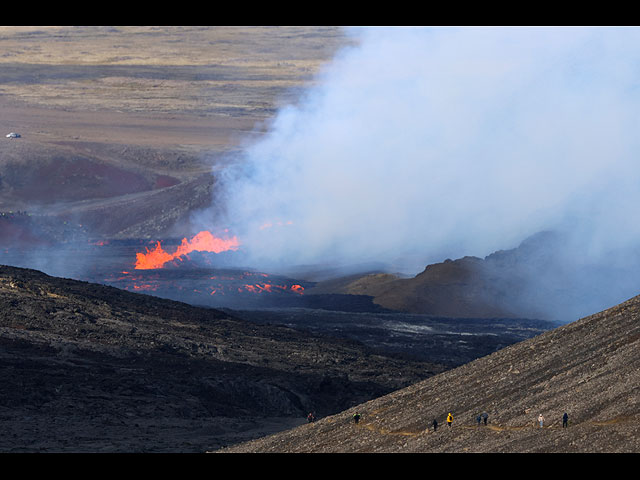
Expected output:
(205, 70)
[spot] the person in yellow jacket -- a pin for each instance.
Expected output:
(449, 419)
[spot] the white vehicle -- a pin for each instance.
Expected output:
(13, 135)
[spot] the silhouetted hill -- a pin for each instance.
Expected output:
(548, 276)
(589, 368)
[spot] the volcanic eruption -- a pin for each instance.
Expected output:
(192, 272)
(204, 241)
(422, 144)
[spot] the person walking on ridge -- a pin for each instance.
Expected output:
(435, 425)
(540, 420)
(449, 419)
(565, 420)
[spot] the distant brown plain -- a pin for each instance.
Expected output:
(197, 83)
(153, 102)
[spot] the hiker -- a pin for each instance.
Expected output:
(310, 417)
(479, 419)
(485, 416)
(540, 420)
(356, 417)
(435, 424)
(449, 419)
(565, 420)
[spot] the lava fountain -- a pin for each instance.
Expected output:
(159, 274)
(204, 241)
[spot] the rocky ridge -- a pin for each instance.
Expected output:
(91, 368)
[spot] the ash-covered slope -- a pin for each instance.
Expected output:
(589, 368)
(91, 368)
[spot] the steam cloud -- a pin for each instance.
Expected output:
(428, 143)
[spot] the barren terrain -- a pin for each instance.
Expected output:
(588, 369)
(122, 131)
(91, 368)
(137, 119)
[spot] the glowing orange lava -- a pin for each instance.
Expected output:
(267, 287)
(203, 242)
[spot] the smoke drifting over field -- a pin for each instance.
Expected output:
(443, 142)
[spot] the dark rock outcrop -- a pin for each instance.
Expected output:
(87, 367)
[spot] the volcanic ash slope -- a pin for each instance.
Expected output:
(589, 368)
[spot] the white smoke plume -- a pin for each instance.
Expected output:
(428, 143)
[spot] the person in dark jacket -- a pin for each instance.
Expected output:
(565, 420)
(435, 425)
(485, 416)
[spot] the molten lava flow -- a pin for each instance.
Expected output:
(266, 287)
(203, 242)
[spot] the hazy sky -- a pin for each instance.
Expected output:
(443, 142)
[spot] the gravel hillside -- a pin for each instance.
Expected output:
(589, 369)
